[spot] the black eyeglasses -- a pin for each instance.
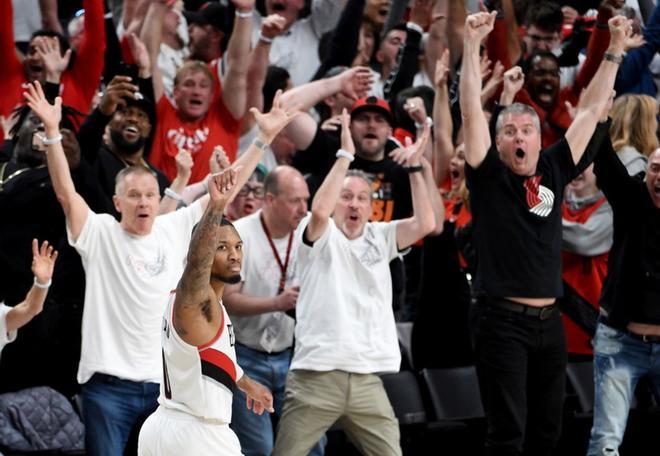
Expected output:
(257, 191)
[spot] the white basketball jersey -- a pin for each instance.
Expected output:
(199, 380)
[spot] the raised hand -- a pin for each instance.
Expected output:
(478, 26)
(119, 88)
(490, 87)
(55, 63)
(422, 12)
(416, 109)
(7, 123)
(43, 261)
(356, 82)
(272, 26)
(49, 114)
(184, 164)
(271, 123)
(514, 80)
(346, 137)
(219, 160)
(442, 69)
(415, 151)
(220, 187)
(485, 65)
(331, 124)
(140, 54)
(620, 31)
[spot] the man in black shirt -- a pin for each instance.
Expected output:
(628, 333)
(515, 194)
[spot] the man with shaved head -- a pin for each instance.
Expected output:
(258, 305)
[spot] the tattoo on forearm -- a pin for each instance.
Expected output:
(195, 280)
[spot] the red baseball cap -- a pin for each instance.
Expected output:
(373, 104)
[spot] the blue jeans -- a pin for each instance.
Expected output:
(255, 432)
(620, 360)
(111, 407)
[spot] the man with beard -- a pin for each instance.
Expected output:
(128, 114)
(516, 192)
(200, 370)
(80, 76)
(207, 29)
(542, 70)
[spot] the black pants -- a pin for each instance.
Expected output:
(521, 364)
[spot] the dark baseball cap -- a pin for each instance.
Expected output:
(373, 104)
(145, 104)
(210, 13)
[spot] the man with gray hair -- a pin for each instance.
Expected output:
(258, 305)
(130, 268)
(345, 331)
(515, 193)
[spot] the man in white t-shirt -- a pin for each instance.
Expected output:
(14, 318)
(345, 331)
(130, 268)
(258, 305)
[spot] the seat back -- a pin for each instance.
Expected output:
(403, 391)
(404, 334)
(454, 392)
(581, 377)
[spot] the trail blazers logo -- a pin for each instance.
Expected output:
(540, 199)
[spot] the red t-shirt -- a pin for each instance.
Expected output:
(218, 127)
(78, 84)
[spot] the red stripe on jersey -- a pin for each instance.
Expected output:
(219, 359)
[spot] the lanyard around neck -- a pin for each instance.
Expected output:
(283, 266)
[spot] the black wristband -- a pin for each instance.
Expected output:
(414, 169)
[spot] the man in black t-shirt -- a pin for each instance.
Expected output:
(515, 194)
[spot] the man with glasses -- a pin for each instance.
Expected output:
(258, 305)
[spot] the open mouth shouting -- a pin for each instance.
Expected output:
(519, 157)
(130, 132)
(546, 93)
(278, 7)
(35, 71)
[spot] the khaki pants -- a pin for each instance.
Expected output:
(313, 401)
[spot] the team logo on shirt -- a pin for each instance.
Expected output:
(371, 254)
(147, 269)
(192, 143)
(540, 199)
